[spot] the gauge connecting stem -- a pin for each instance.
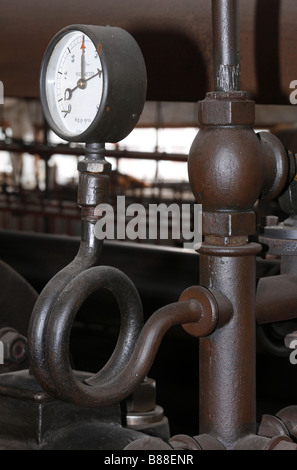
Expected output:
(93, 190)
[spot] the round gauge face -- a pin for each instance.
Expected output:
(74, 83)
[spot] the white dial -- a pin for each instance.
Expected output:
(74, 83)
(92, 83)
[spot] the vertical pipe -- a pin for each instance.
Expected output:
(227, 357)
(226, 45)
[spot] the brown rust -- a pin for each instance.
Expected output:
(226, 53)
(216, 307)
(121, 374)
(207, 323)
(276, 298)
(230, 168)
(228, 224)
(227, 176)
(227, 357)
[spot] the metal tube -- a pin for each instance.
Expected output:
(227, 357)
(226, 45)
(110, 385)
(276, 298)
(88, 255)
(89, 195)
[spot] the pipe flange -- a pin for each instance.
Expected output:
(209, 319)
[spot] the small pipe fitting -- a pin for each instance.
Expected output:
(14, 345)
(276, 165)
(217, 310)
(230, 167)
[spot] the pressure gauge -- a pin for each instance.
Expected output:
(92, 83)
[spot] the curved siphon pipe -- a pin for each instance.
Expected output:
(92, 190)
(109, 386)
(87, 256)
(61, 299)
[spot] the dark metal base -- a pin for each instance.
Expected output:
(31, 420)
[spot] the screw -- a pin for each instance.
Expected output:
(14, 345)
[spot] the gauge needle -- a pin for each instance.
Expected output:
(83, 59)
(82, 84)
(99, 72)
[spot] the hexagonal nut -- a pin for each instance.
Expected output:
(94, 166)
(215, 112)
(228, 224)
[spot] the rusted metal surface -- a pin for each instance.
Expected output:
(228, 224)
(230, 168)
(60, 300)
(226, 411)
(226, 45)
(271, 426)
(264, 165)
(276, 298)
(230, 179)
(118, 378)
(217, 305)
(87, 256)
(165, 31)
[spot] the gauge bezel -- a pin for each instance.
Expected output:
(124, 84)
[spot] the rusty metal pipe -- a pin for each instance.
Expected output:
(109, 386)
(276, 299)
(226, 45)
(87, 256)
(227, 357)
(93, 189)
(230, 168)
